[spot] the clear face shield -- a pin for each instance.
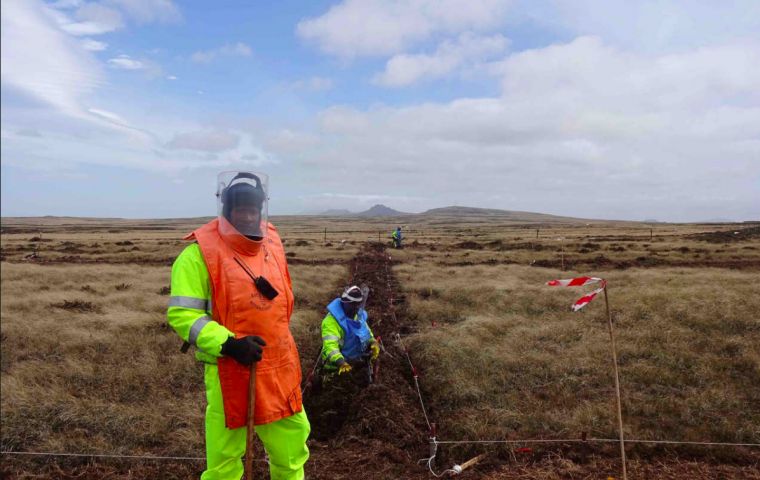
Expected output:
(241, 200)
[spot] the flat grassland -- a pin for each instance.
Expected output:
(89, 364)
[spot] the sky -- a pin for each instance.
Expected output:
(606, 109)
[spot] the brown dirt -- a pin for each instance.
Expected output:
(469, 245)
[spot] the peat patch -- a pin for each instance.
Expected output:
(729, 236)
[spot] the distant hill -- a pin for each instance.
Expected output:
(518, 216)
(380, 211)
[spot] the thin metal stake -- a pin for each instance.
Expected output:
(617, 384)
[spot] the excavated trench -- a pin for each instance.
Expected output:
(376, 430)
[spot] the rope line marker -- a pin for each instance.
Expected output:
(102, 455)
(596, 440)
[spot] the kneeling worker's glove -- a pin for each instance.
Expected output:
(245, 350)
(375, 349)
(344, 368)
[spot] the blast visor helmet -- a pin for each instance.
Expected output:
(242, 203)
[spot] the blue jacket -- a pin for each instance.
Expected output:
(356, 333)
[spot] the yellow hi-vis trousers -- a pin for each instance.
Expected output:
(284, 440)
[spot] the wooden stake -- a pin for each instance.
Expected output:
(469, 463)
(617, 384)
(251, 432)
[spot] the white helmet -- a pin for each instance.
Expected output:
(352, 294)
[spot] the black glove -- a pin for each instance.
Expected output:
(245, 350)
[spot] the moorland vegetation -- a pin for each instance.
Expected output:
(89, 364)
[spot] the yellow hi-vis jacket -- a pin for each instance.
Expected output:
(189, 311)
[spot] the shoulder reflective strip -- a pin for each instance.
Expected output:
(331, 354)
(195, 330)
(331, 337)
(189, 302)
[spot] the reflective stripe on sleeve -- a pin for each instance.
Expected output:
(331, 337)
(330, 355)
(195, 330)
(189, 302)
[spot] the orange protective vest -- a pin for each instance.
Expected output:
(243, 310)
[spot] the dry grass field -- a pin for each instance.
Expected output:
(89, 364)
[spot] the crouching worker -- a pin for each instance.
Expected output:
(231, 298)
(347, 341)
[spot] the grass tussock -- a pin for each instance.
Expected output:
(518, 364)
(80, 306)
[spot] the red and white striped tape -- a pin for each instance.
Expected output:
(586, 299)
(574, 282)
(580, 282)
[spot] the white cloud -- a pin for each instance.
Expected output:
(467, 50)
(92, 19)
(206, 141)
(97, 18)
(290, 141)
(238, 49)
(380, 27)
(149, 11)
(125, 62)
(43, 62)
(29, 132)
(110, 116)
(94, 45)
(652, 25)
(171, 77)
(64, 4)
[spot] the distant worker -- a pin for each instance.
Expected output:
(397, 237)
(347, 340)
(231, 298)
